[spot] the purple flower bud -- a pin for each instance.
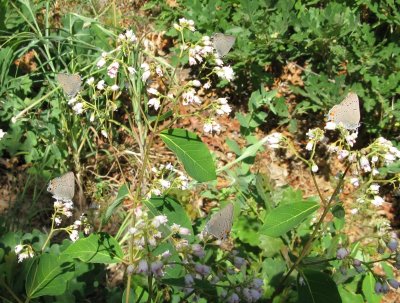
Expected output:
(385, 288)
(234, 298)
(247, 295)
(257, 283)
(378, 287)
(156, 268)
(342, 253)
(189, 281)
(198, 250)
(393, 244)
(255, 294)
(203, 270)
(130, 269)
(393, 283)
(381, 249)
(239, 262)
(356, 263)
(143, 267)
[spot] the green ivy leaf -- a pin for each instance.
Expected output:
(97, 248)
(192, 152)
(48, 275)
(284, 218)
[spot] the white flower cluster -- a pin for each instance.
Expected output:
(2, 134)
(184, 23)
(314, 135)
(23, 252)
(167, 177)
(275, 140)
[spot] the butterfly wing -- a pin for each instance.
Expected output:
(223, 43)
(220, 223)
(63, 187)
(71, 84)
(347, 112)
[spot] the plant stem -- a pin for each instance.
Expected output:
(310, 241)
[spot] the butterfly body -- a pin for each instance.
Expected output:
(63, 187)
(223, 43)
(220, 224)
(347, 112)
(71, 84)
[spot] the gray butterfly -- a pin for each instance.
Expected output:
(223, 43)
(63, 187)
(347, 112)
(220, 223)
(71, 84)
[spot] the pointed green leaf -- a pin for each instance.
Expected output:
(318, 287)
(286, 217)
(122, 193)
(192, 152)
(368, 288)
(48, 275)
(97, 248)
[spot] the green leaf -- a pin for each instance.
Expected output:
(349, 297)
(318, 287)
(192, 152)
(132, 296)
(97, 248)
(48, 275)
(173, 210)
(122, 193)
(368, 288)
(284, 218)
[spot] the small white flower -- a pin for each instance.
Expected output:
(355, 182)
(101, 62)
(74, 235)
(364, 163)
(90, 81)
(196, 83)
(112, 69)
(343, 154)
(314, 168)
(78, 108)
(330, 125)
(156, 192)
(130, 36)
(100, 85)
(104, 133)
(354, 211)
(145, 71)
(154, 102)
(2, 134)
(158, 220)
(72, 100)
(207, 85)
(225, 72)
(114, 87)
(211, 126)
(165, 183)
(274, 139)
(389, 158)
(159, 71)
(374, 188)
(374, 159)
(375, 172)
(377, 201)
(131, 70)
(153, 91)
(18, 248)
(309, 145)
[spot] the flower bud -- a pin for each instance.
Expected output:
(342, 253)
(394, 283)
(392, 244)
(378, 287)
